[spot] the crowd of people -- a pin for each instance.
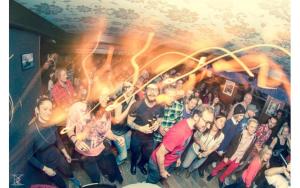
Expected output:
(191, 132)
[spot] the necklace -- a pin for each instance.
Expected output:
(41, 133)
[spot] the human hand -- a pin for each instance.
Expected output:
(220, 153)
(162, 131)
(205, 154)
(49, 171)
(155, 125)
(165, 174)
(120, 140)
(178, 162)
(82, 146)
(145, 129)
(226, 159)
(68, 157)
(200, 155)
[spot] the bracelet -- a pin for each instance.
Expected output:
(72, 136)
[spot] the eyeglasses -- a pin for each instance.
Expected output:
(207, 123)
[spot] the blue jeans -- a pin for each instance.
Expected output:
(122, 150)
(153, 171)
(192, 160)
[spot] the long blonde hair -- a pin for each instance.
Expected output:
(262, 153)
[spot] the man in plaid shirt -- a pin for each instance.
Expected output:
(172, 114)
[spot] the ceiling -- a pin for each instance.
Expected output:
(212, 22)
(249, 22)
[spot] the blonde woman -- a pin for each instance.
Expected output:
(281, 146)
(253, 169)
(88, 134)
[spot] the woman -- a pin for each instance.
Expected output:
(204, 144)
(253, 169)
(49, 153)
(89, 138)
(281, 146)
(216, 105)
(208, 98)
(278, 177)
(120, 126)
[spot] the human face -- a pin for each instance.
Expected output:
(179, 84)
(285, 132)
(272, 123)
(44, 111)
(220, 122)
(216, 100)
(151, 93)
(267, 155)
(63, 76)
(239, 117)
(252, 128)
(248, 99)
(279, 114)
(250, 113)
(192, 104)
(103, 100)
(128, 90)
(171, 92)
(205, 121)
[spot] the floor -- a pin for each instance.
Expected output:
(175, 181)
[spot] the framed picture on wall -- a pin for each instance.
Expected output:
(272, 105)
(229, 87)
(27, 61)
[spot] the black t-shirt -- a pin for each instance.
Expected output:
(143, 113)
(122, 128)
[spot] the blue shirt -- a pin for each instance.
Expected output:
(244, 122)
(230, 130)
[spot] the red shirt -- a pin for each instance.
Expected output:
(63, 95)
(252, 170)
(263, 133)
(175, 141)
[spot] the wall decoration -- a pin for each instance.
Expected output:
(272, 105)
(229, 87)
(27, 61)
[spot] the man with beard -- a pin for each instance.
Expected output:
(144, 117)
(246, 101)
(167, 155)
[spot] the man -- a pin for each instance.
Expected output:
(172, 114)
(165, 157)
(231, 129)
(144, 117)
(246, 101)
(190, 106)
(250, 113)
(62, 92)
(264, 132)
(241, 146)
(280, 120)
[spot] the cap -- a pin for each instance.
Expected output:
(239, 109)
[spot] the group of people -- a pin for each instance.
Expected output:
(187, 132)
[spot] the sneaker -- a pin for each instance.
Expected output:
(187, 174)
(221, 184)
(76, 182)
(201, 173)
(209, 177)
(214, 164)
(120, 179)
